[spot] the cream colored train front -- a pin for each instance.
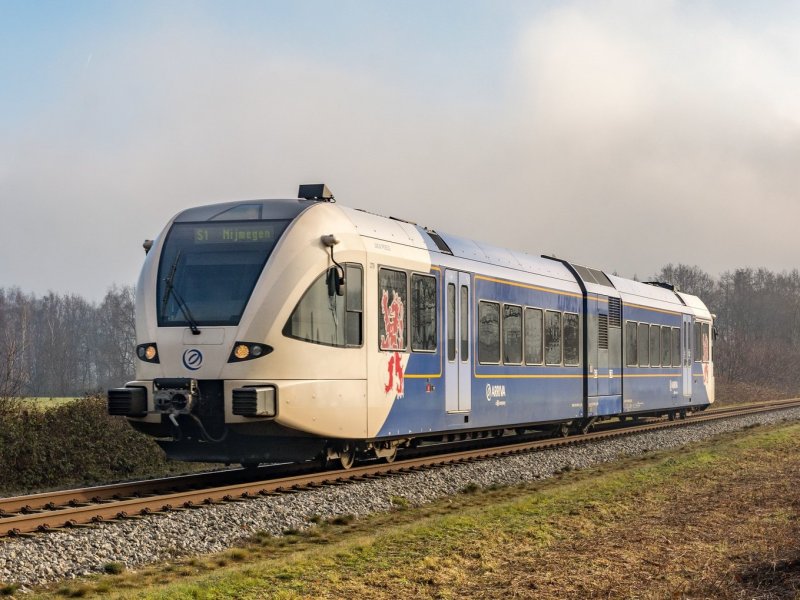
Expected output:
(247, 352)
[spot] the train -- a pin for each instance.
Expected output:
(303, 330)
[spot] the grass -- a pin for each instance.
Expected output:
(719, 520)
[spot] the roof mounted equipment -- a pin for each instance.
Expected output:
(315, 191)
(663, 284)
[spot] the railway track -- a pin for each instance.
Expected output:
(52, 511)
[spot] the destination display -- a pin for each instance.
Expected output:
(226, 234)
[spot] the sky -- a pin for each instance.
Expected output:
(620, 134)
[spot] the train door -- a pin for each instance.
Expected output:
(592, 365)
(686, 353)
(458, 363)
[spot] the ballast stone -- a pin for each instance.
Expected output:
(69, 554)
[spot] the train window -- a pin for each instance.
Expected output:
(423, 313)
(676, 347)
(666, 344)
(630, 343)
(644, 344)
(320, 318)
(451, 321)
(706, 342)
(534, 353)
(354, 305)
(552, 337)
(698, 343)
(655, 346)
(512, 334)
(488, 332)
(571, 339)
(464, 323)
(392, 300)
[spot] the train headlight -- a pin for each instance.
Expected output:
(147, 353)
(248, 351)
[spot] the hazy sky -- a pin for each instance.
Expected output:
(619, 134)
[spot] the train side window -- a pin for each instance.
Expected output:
(392, 301)
(353, 318)
(423, 313)
(488, 332)
(706, 342)
(630, 343)
(655, 346)
(572, 336)
(676, 347)
(534, 353)
(552, 337)
(464, 323)
(318, 318)
(512, 334)
(666, 344)
(451, 321)
(644, 344)
(698, 343)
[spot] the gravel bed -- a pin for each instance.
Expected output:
(68, 554)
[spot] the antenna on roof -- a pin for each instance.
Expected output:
(315, 191)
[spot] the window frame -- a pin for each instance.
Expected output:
(407, 343)
(560, 341)
(640, 346)
(563, 338)
(676, 345)
(499, 333)
(503, 334)
(525, 309)
(345, 266)
(635, 362)
(412, 321)
(666, 331)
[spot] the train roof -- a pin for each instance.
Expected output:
(410, 234)
(245, 210)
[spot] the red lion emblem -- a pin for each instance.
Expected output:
(393, 323)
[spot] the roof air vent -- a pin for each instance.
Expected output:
(315, 191)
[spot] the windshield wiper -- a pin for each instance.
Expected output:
(169, 281)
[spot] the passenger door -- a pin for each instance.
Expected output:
(458, 356)
(686, 353)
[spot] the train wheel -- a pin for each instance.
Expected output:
(671, 415)
(390, 458)
(561, 430)
(347, 456)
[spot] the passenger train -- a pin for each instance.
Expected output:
(293, 330)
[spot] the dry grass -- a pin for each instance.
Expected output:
(718, 521)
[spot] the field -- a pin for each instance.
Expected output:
(717, 521)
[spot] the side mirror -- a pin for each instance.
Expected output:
(335, 283)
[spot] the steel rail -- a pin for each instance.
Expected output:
(100, 510)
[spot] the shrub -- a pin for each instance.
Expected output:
(73, 444)
(113, 568)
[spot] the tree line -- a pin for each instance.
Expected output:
(64, 345)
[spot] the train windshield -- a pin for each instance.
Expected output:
(208, 270)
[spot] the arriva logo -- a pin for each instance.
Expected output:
(495, 391)
(193, 359)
